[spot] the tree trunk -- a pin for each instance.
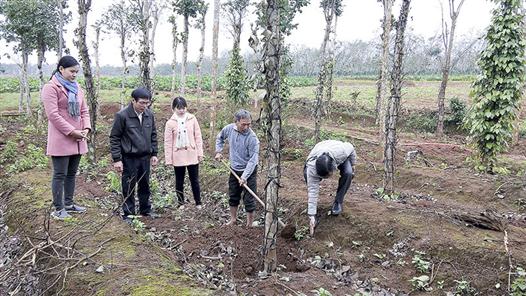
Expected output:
(322, 75)
(156, 14)
(446, 67)
(122, 95)
(200, 61)
(40, 60)
(175, 42)
(22, 91)
(318, 107)
(394, 101)
(25, 93)
(91, 95)
(273, 105)
(60, 28)
(382, 82)
(144, 56)
(97, 58)
(330, 65)
(215, 52)
(185, 56)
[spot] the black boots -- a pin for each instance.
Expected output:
(336, 208)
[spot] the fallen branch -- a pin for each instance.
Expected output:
(509, 259)
(485, 220)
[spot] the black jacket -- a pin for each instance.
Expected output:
(128, 137)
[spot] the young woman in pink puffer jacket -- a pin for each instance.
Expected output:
(68, 128)
(183, 148)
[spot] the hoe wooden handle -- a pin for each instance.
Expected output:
(250, 190)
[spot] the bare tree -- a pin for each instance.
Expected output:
(381, 84)
(175, 41)
(83, 8)
(331, 9)
(157, 9)
(201, 24)
(61, 4)
(234, 12)
(394, 100)
(142, 16)
(447, 39)
(119, 20)
(188, 9)
(215, 50)
(97, 27)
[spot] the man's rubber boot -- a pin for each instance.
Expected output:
(336, 209)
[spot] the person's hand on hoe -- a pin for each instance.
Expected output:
(242, 182)
(118, 166)
(218, 156)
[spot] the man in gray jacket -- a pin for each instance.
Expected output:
(244, 157)
(323, 160)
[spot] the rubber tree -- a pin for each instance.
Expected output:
(498, 90)
(448, 37)
(331, 10)
(382, 82)
(84, 7)
(393, 107)
(119, 20)
(201, 25)
(187, 9)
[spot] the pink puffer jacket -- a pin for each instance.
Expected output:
(60, 123)
(182, 157)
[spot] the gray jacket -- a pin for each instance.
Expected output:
(244, 149)
(339, 151)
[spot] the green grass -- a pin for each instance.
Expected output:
(416, 94)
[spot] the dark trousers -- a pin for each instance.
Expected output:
(63, 181)
(193, 175)
(235, 190)
(345, 180)
(136, 171)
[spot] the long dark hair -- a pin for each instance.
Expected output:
(65, 62)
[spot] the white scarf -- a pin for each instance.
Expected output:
(182, 141)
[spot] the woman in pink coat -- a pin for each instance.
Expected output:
(183, 148)
(68, 128)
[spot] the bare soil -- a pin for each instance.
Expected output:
(369, 248)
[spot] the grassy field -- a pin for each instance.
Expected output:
(416, 94)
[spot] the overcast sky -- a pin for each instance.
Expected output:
(360, 20)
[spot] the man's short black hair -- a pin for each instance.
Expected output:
(141, 93)
(324, 165)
